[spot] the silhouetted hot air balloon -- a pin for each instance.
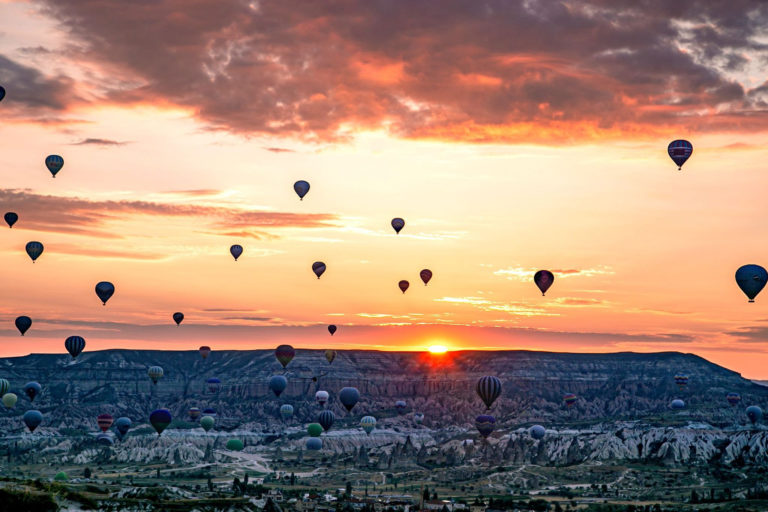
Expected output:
(34, 250)
(330, 355)
(301, 188)
(236, 250)
(284, 354)
(569, 399)
(349, 397)
(543, 279)
(104, 421)
(209, 412)
(9, 400)
(32, 419)
(104, 290)
(398, 224)
(681, 381)
(318, 268)
(368, 423)
(537, 432)
(418, 418)
(314, 429)
(74, 345)
(485, 424)
(425, 275)
(733, 398)
(205, 351)
(679, 151)
(155, 373)
(403, 285)
(214, 385)
(23, 323)
(2, 93)
(54, 163)
(326, 419)
(160, 419)
(278, 383)
(207, 422)
(321, 397)
(178, 317)
(400, 407)
(194, 413)
(488, 389)
(32, 389)
(332, 329)
(677, 404)
(286, 411)
(235, 445)
(754, 413)
(314, 444)
(105, 439)
(122, 426)
(4, 386)
(751, 279)
(11, 218)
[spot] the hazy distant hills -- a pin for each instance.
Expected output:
(610, 386)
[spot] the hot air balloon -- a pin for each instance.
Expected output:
(236, 250)
(74, 345)
(485, 423)
(677, 404)
(368, 423)
(122, 425)
(751, 279)
(23, 323)
(679, 151)
(155, 373)
(278, 383)
(178, 317)
(209, 412)
(54, 163)
(569, 399)
(214, 385)
(326, 419)
(9, 400)
(160, 419)
(194, 413)
(286, 411)
(332, 329)
(104, 421)
(104, 290)
(32, 419)
(425, 275)
(403, 285)
(681, 381)
(488, 389)
(105, 439)
(330, 355)
(398, 224)
(349, 397)
(301, 188)
(314, 429)
(318, 268)
(321, 397)
(733, 398)
(34, 250)
(400, 406)
(418, 418)
(543, 279)
(205, 351)
(32, 389)
(2, 93)
(537, 432)
(235, 445)
(207, 422)
(11, 218)
(314, 444)
(4, 386)
(754, 413)
(284, 354)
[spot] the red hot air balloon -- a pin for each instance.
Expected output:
(284, 354)
(104, 421)
(205, 351)
(425, 275)
(403, 285)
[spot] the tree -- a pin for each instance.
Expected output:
(158, 472)
(694, 496)
(426, 493)
(87, 473)
(210, 483)
(348, 490)
(434, 495)
(293, 479)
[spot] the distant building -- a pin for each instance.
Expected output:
(275, 495)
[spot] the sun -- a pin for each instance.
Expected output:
(437, 349)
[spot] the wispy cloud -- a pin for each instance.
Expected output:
(526, 274)
(99, 142)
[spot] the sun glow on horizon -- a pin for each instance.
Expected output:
(437, 349)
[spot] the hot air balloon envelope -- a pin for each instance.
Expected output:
(284, 354)
(332, 329)
(543, 279)
(23, 323)
(330, 355)
(236, 250)
(32, 389)
(34, 250)
(74, 345)
(160, 419)
(425, 275)
(321, 397)
(679, 151)
(104, 290)
(301, 188)
(11, 218)
(235, 445)
(278, 383)
(754, 413)
(318, 268)
(32, 419)
(398, 224)
(368, 423)
(349, 397)
(9, 400)
(485, 424)
(326, 419)
(314, 444)
(677, 404)
(488, 389)
(207, 422)
(314, 429)
(403, 285)
(178, 317)
(537, 432)
(54, 163)
(751, 279)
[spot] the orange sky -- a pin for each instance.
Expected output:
(503, 157)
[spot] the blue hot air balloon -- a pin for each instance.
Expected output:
(326, 419)
(2, 93)
(349, 397)
(32, 419)
(74, 345)
(679, 151)
(178, 317)
(314, 443)
(418, 418)
(11, 218)
(122, 425)
(751, 279)
(32, 389)
(23, 323)
(286, 411)
(34, 250)
(754, 413)
(488, 389)
(214, 384)
(236, 250)
(537, 432)
(160, 419)
(398, 224)
(105, 439)
(301, 188)
(54, 163)
(677, 404)
(485, 424)
(400, 407)
(278, 383)
(318, 268)
(105, 290)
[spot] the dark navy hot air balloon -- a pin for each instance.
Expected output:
(178, 317)
(543, 279)
(326, 419)
(160, 419)
(34, 250)
(485, 424)
(23, 323)
(679, 151)
(677, 404)
(285, 354)
(314, 444)
(733, 398)
(751, 279)
(349, 397)
(209, 412)
(32, 389)
(214, 384)
(32, 419)
(398, 224)
(754, 413)
(301, 188)
(400, 407)
(74, 345)
(236, 250)
(488, 389)
(332, 329)
(122, 425)
(403, 285)
(278, 383)
(537, 432)
(104, 290)
(105, 439)
(54, 163)
(425, 275)
(11, 218)
(318, 268)
(2, 93)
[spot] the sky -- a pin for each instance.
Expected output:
(511, 136)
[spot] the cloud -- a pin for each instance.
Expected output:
(28, 87)
(280, 150)
(98, 142)
(752, 334)
(526, 274)
(513, 308)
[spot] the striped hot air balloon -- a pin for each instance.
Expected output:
(680, 151)
(104, 421)
(74, 345)
(488, 388)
